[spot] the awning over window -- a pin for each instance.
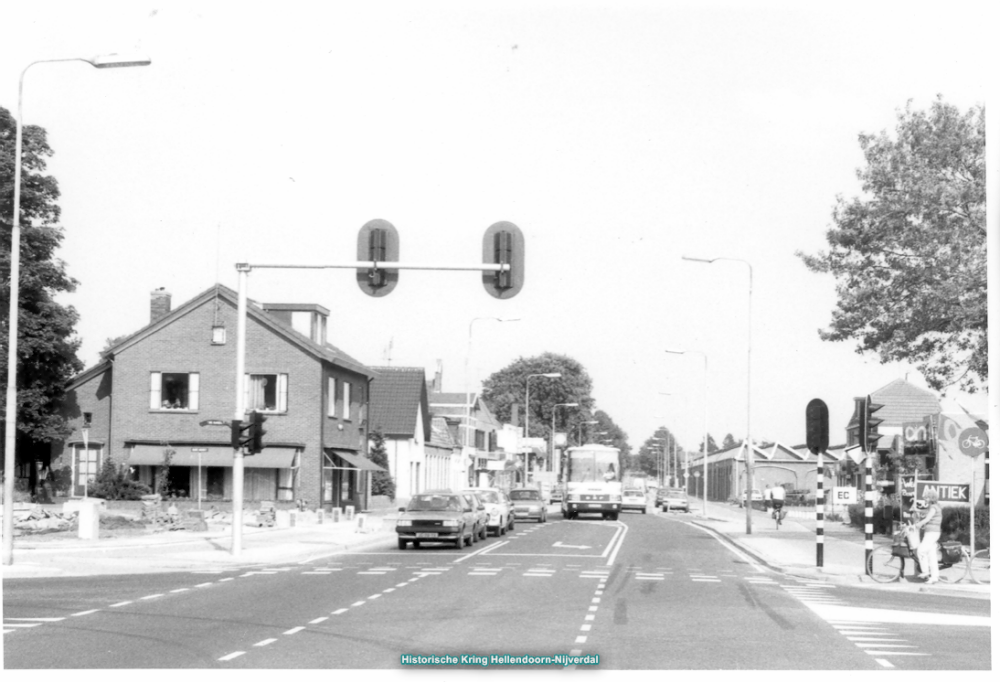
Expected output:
(350, 460)
(211, 456)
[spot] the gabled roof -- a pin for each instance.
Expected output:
(398, 395)
(904, 402)
(453, 405)
(325, 352)
(441, 434)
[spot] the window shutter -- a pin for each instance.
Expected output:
(154, 390)
(282, 393)
(193, 390)
(331, 397)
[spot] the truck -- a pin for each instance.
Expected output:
(593, 482)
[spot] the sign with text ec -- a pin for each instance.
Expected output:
(947, 492)
(845, 495)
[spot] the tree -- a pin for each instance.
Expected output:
(46, 343)
(730, 442)
(505, 388)
(910, 256)
(382, 482)
(712, 447)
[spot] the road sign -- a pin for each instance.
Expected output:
(213, 422)
(199, 449)
(845, 495)
(973, 441)
(947, 492)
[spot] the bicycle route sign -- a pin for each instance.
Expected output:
(973, 441)
(947, 492)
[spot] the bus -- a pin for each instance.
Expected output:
(593, 482)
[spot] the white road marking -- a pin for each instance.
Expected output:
(896, 653)
(884, 663)
(294, 630)
(592, 608)
(265, 642)
(180, 589)
(87, 613)
(375, 596)
(832, 612)
(152, 596)
(21, 625)
(388, 589)
(229, 657)
(121, 603)
(316, 621)
(581, 639)
(358, 603)
(203, 585)
(38, 620)
(585, 628)
(338, 612)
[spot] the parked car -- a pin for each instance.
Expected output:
(482, 516)
(661, 493)
(499, 510)
(528, 504)
(676, 498)
(800, 497)
(437, 517)
(634, 499)
(755, 496)
(557, 494)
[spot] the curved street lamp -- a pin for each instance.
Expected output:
(110, 61)
(749, 443)
(704, 443)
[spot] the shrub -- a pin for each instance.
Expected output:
(880, 523)
(955, 525)
(382, 482)
(113, 483)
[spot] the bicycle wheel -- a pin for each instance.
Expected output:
(884, 566)
(979, 567)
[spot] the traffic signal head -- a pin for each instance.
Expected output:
(817, 426)
(868, 433)
(378, 241)
(503, 244)
(256, 432)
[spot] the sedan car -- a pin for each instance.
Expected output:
(437, 517)
(499, 510)
(528, 504)
(675, 499)
(634, 499)
(482, 516)
(557, 494)
(755, 496)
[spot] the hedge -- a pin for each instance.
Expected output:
(954, 522)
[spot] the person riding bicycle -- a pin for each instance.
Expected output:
(931, 526)
(777, 500)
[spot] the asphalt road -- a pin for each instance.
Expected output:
(646, 592)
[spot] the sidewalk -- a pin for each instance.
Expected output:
(792, 549)
(184, 550)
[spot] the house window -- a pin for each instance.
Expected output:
(346, 402)
(267, 392)
(480, 439)
(173, 391)
(331, 397)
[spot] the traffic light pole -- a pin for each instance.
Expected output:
(243, 271)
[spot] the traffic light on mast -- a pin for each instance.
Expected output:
(869, 435)
(256, 432)
(503, 244)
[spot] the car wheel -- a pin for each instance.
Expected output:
(402, 543)
(483, 531)
(416, 545)
(471, 539)
(614, 517)
(541, 519)
(643, 510)
(475, 536)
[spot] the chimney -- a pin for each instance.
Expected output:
(437, 377)
(159, 304)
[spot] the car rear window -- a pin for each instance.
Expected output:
(434, 503)
(525, 495)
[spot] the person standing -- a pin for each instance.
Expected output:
(931, 526)
(767, 497)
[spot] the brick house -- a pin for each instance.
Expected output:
(153, 391)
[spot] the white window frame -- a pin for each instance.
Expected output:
(331, 397)
(281, 392)
(345, 412)
(156, 392)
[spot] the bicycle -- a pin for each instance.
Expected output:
(778, 514)
(887, 564)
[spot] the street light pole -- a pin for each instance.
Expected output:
(468, 390)
(749, 442)
(552, 433)
(704, 442)
(527, 411)
(10, 430)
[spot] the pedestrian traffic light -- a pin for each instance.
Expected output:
(503, 244)
(378, 241)
(868, 434)
(257, 432)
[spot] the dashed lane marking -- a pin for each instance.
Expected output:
(229, 657)
(294, 630)
(265, 642)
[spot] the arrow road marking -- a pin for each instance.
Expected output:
(559, 544)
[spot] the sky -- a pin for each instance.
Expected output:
(618, 136)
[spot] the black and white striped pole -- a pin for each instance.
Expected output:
(817, 441)
(868, 437)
